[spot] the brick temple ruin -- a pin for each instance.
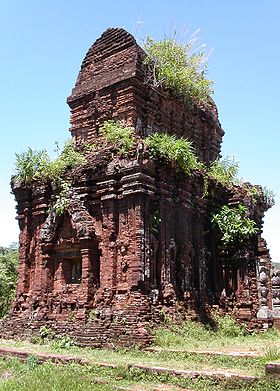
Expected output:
(100, 272)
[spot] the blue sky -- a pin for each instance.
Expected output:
(42, 44)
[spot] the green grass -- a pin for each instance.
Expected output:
(178, 360)
(30, 376)
(187, 335)
(227, 334)
(26, 377)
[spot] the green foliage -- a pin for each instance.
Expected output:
(185, 336)
(226, 326)
(29, 164)
(256, 193)
(252, 191)
(269, 196)
(173, 333)
(233, 224)
(191, 334)
(17, 375)
(224, 332)
(177, 151)
(272, 353)
(28, 376)
(205, 186)
(62, 198)
(88, 148)
(8, 277)
(63, 342)
(122, 137)
(32, 362)
(34, 165)
(154, 222)
(72, 317)
(179, 67)
(44, 332)
(224, 170)
(68, 159)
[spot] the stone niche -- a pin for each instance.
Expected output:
(135, 241)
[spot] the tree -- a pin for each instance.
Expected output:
(8, 277)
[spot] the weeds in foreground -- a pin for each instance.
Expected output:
(62, 342)
(272, 353)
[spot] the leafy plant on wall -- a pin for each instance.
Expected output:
(233, 224)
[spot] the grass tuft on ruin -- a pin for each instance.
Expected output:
(118, 134)
(35, 165)
(224, 170)
(178, 152)
(179, 67)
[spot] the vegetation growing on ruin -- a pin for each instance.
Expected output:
(178, 152)
(154, 220)
(36, 165)
(29, 164)
(121, 136)
(179, 67)
(69, 158)
(224, 170)
(260, 192)
(61, 202)
(8, 277)
(269, 196)
(233, 224)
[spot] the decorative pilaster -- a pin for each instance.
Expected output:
(275, 281)
(263, 290)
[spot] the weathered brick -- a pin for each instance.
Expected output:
(130, 274)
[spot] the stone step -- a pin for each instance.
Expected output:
(237, 354)
(273, 368)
